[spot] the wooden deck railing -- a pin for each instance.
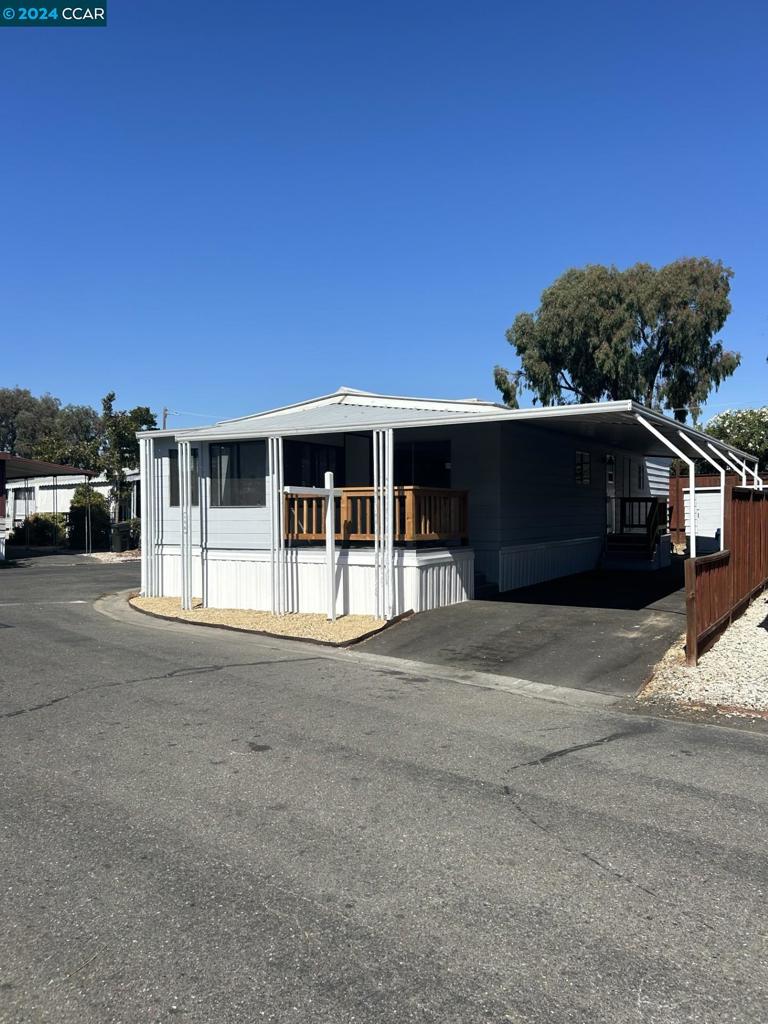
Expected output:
(421, 514)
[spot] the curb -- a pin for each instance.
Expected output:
(116, 607)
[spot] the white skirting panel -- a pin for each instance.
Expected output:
(241, 579)
(526, 564)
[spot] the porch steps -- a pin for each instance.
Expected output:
(627, 545)
(627, 551)
(485, 590)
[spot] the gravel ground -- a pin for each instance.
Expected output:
(115, 556)
(733, 674)
(307, 627)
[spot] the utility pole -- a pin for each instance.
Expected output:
(165, 417)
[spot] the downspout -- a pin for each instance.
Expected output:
(691, 474)
(721, 471)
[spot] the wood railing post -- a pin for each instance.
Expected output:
(345, 515)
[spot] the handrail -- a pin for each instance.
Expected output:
(642, 515)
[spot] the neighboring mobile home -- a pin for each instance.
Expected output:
(433, 496)
(33, 495)
(16, 474)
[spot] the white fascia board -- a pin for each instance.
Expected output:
(156, 433)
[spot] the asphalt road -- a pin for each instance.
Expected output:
(204, 826)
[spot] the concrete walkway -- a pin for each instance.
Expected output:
(596, 631)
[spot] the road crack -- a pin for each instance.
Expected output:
(173, 674)
(564, 751)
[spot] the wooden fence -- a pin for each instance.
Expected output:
(719, 587)
(678, 485)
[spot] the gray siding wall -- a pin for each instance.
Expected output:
(475, 457)
(540, 499)
(228, 528)
(475, 461)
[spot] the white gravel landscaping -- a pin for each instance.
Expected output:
(115, 556)
(732, 675)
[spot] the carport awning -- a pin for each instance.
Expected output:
(17, 468)
(616, 425)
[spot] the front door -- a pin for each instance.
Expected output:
(610, 493)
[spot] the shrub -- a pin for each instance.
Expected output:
(42, 529)
(135, 532)
(100, 520)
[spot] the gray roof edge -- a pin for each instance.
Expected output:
(497, 414)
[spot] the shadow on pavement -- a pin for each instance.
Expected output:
(603, 589)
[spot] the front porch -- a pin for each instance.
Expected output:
(423, 516)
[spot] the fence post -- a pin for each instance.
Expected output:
(691, 632)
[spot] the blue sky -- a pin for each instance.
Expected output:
(224, 207)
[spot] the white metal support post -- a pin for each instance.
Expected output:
(384, 519)
(734, 465)
(330, 544)
(753, 472)
(389, 532)
(329, 493)
(145, 455)
(204, 503)
(278, 582)
(691, 474)
(185, 508)
(718, 466)
(377, 521)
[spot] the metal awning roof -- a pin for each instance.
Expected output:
(614, 424)
(17, 468)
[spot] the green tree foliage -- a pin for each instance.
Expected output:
(120, 446)
(75, 435)
(74, 438)
(641, 333)
(746, 429)
(25, 420)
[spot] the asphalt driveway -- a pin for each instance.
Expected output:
(601, 631)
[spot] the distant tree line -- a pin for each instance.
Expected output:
(74, 435)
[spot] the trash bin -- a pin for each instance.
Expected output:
(121, 536)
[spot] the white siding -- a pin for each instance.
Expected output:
(242, 579)
(707, 518)
(657, 471)
(527, 564)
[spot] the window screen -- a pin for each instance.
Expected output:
(173, 458)
(583, 468)
(238, 474)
